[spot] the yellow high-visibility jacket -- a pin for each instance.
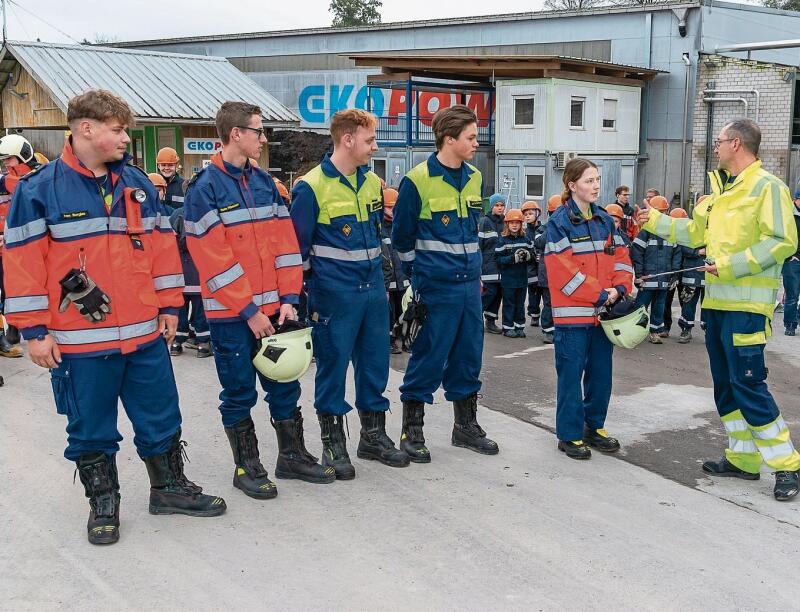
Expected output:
(748, 230)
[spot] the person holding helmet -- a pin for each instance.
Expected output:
(436, 234)
(588, 268)
(489, 230)
(539, 244)
(167, 163)
(531, 212)
(240, 237)
(653, 255)
(690, 287)
(514, 253)
(394, 278)
(748, 228)
(18, 159)
(337, 210)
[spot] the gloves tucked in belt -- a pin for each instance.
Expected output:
(91, 301)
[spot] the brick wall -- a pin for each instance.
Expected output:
(775, 112)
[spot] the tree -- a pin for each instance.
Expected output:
(786, 5)
(571, 5)
(355, 12)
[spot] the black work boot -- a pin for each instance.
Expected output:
(12, 335)
(726, 469)
(412, 440)
(171, 492)
(491, 326)
(294, 461)
(466, 431)
(6, 348)
(334, 446)
(375, 444)
(786, 485)
(575, 449)
(599, 439)
(98, 474)
(249, 475)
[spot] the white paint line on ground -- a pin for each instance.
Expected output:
(533, 349)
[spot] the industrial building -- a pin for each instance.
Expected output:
(312, 71)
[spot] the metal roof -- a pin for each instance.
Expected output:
(157, 86)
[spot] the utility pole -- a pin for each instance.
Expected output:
(5, 29)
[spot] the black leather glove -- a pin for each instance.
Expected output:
(519, 255)
(686, 294)
(79, 289)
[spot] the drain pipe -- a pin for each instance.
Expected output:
(688, 63)
(753, 92)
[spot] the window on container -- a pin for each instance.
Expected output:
(534, 185)
(523, 112)
(576, 112)
(609, 114)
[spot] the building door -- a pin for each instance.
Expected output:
(136, 148)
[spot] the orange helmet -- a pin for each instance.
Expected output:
(530, 205)
(660, 203)
(615, 210)
(515, 214)
(554, 202)
(389, 197)
(297, 180)
(678, 213)
(167, 155)
(157, 180)
(700, 199)
(284, 193)
(383, 183)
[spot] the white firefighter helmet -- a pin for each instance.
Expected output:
(406, 299)
(625, 324)
(286, 355)
(14, 145)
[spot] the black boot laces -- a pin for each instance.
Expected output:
(176, 457)
(103, 498)
(248, 453)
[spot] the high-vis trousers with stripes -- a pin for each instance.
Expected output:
(88, 389)
(756, 430)
(449, 347)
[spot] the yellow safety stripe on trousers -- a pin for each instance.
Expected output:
(734, 422)
(775, 445)
(742, 451)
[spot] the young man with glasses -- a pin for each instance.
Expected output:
(241, 238)
(748, 229)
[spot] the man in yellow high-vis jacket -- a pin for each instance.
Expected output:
(748, 229)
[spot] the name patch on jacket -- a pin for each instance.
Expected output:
(475, 204)
(230, 207)
(374, 206)
(579, 238)
(75, 215)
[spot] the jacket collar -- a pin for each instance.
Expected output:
(332, 171)
(720, 177)
(435, 168)
(232, 171)
(73, 163)
(573, 207)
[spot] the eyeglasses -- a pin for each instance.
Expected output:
(259, 131)
(718, 141)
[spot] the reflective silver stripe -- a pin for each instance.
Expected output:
(26, 304)
(444, 247)
(197, 228)
(105, 334)
(23, 232)
(654, 284)
(490, 277)
(392, 285)
(487, 234)
(163, 223)
(223, 279)
(557, 247)
(387, 240)
(406, 283)
(191, 289)
(79, 228)
(120, 224)
(319, 250)
(306, 265)
(770, 432)
(210, 304)
(282, 211)
(777, 451)
(285, 261)
(573, 311)
(742, 446)
(6, 197)
(735, 425)
(618, 240)
(621, 267)
(407, 256)
(533, 279)
(175, 198)
(259, 213)
(168, 281)
(639, 242)
(588, 246)
(573, 284)
(268, 297)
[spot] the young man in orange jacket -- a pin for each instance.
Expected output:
(94, 283)
(242, 241)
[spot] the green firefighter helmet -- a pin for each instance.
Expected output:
(625, 324)
(286, 355)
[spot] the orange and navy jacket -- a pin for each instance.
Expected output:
(242, 240)
(60, 218)
(583, 257)
(8, 183)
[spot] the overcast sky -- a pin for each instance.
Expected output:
(147, 19)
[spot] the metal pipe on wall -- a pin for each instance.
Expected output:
(753, 92)
(688, 64)
(711, 100)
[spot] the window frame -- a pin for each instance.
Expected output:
(582, 100)
(603, 117)
(524, 126)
